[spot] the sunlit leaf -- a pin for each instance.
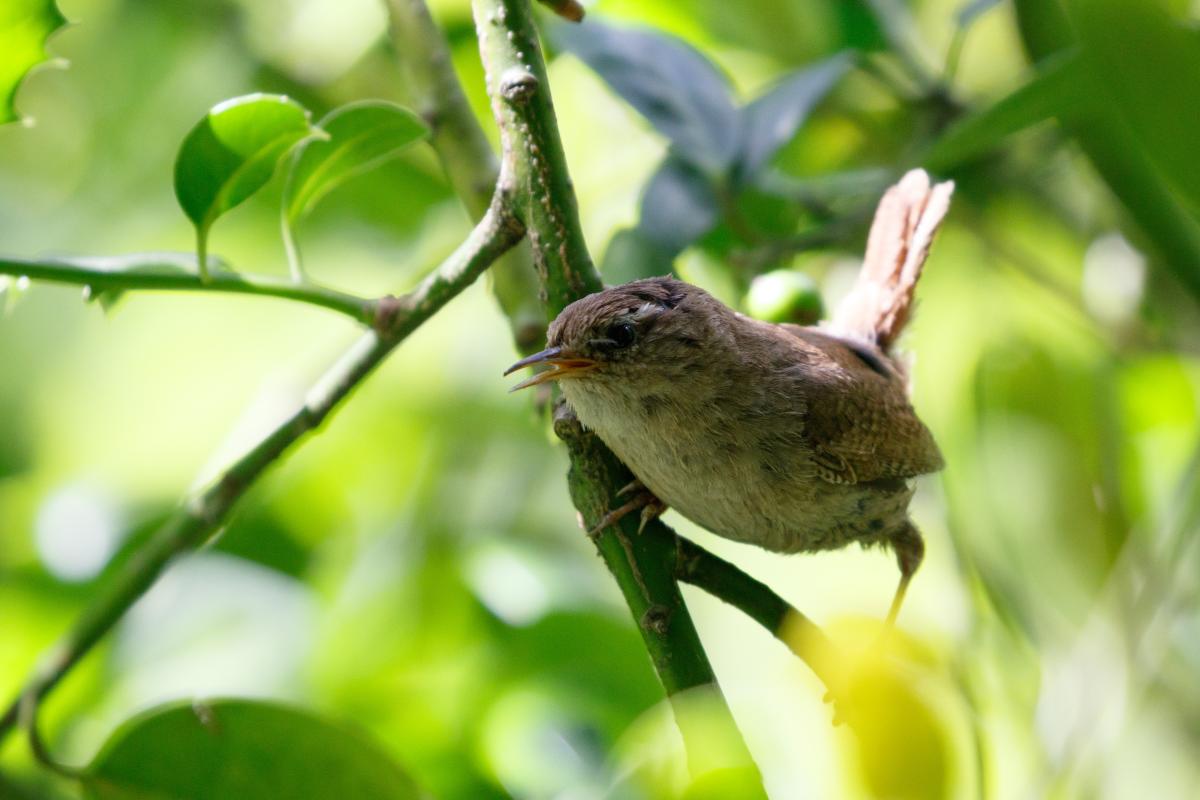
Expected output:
(362, 136)
(24, 27)
(241, 748)
(231, 154)
(1055, 90)
(668, 81)
(772, 119)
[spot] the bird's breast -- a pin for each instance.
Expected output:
(745, 478)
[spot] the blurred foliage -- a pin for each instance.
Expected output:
(415, 568)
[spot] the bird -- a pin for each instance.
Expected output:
(792, 438)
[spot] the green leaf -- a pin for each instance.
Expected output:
(24, 27)
(362, 136)
(669, 82)
(231, 154)
(1147, 65)
(244, 749)
(772, 119)
(1056, 90)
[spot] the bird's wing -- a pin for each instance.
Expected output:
(858, 421)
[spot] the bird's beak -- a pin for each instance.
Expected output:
(563, 363)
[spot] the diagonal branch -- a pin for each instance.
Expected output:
(203, 515)
(175, 272)
(433, 89)
(642, 565)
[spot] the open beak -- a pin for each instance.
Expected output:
(562, 363)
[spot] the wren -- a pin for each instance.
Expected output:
(796, 439)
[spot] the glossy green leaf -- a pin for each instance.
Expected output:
(24, 27)
(631, 255)
(362, 136)
(772, 119)
(669, 82)
(231, 154)
(1147, 63)
(1056, 90)
(243, 749)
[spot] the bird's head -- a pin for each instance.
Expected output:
(645, 333)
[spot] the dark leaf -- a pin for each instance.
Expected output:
(772, 119)
(670, 83)
(679, 205)
(241, 748)
(632, 255)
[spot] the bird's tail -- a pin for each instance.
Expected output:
(881, 301)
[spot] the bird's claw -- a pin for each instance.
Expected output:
(651, 508)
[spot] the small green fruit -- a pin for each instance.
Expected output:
(784, 296)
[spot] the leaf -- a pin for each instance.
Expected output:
(24, 27)
(669, 82)
(1056, 90)
(231, 154)
(772, 119)
(679, 205)
(362, 136)
(241, 748)
(1147, 65)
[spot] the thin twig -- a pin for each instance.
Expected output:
(170, 272)
(203, 515)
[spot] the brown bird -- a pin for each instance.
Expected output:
(796, 439)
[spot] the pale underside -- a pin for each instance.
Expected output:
(827, 465)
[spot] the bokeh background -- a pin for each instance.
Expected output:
(416, 567)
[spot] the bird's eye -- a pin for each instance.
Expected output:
(621, 334)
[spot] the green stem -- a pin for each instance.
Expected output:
(203, 515)
(432, 87)
(167, 272)
(702, 569)
(642, 565)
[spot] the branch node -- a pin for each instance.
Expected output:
(388, 309)
(518, 84)
(567, 426)
(657, 619)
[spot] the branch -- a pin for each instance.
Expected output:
(702, 569)
(175, 272)
(203, 515)
(642, 565)
(433, 89)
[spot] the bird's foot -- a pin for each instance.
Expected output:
(640, 497)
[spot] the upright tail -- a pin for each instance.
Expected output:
(906, 221)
